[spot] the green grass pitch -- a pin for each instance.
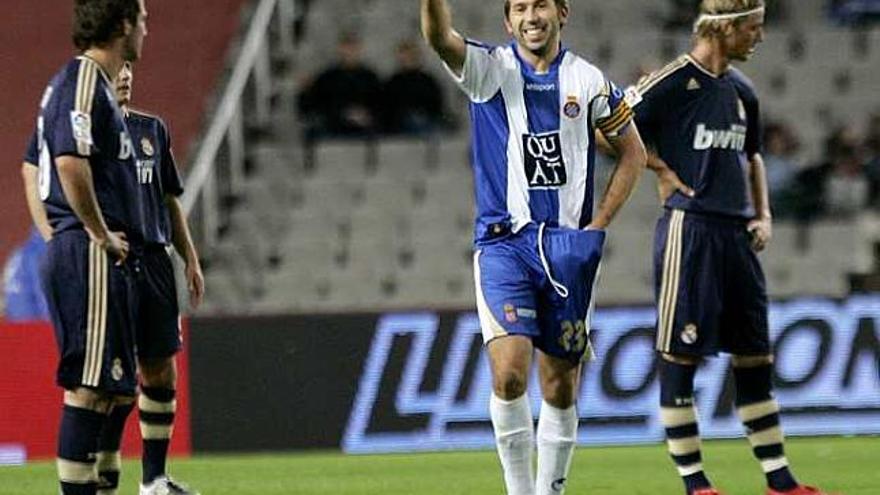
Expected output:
(850, 466)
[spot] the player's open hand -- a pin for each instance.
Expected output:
(195, 283)
(760, 230)
(668, 183)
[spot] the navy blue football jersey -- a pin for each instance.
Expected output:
(705, 127)
(157, 172)
(79, 117)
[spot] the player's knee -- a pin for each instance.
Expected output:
(160, 373)
(86, 398)
(559, 392)
(509, 384)
(751, 361)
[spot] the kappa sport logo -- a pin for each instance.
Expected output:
(540, 87)
(542, 157)
(732, 139)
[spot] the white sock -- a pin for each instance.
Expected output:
(515, 438)
(557, 435)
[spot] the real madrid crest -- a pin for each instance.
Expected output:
(571, 109)
(689, 334)
(147, 147)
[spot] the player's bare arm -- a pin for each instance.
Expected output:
(668, 181)
(75, 175)
(437, 31)
(183, 243)
(30, 176)
(760, 227)
(630, 152)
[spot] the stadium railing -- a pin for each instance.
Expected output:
(210, 166)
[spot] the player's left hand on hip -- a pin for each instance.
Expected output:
(760, 231)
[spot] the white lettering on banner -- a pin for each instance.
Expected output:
(827, 380)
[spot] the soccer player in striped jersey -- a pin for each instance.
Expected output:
(534, 108)
(700, 118)
(87, 180)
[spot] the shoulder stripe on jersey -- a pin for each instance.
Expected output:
(655, 78)
(86, 81)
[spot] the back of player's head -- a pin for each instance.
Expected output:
(559, 4)
(98, 22)
(714, 14)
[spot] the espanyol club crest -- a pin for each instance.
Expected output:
(147, 147)
(572, 108)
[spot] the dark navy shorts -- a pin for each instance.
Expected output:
(709, 287)
(541, 285)
(158, 323)
(92, 305)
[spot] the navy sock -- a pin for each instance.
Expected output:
(157, 407)
(109, 460)
(77, 444)
(679, 417)
(759, 413)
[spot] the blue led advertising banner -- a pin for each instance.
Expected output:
(425, 380)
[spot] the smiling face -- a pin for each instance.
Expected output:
(536, 24)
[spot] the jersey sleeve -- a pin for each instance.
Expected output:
(171, 183)
(480, 76)
(72, 133)
(646, 100)
(610, 112)
(754, 127)
(32, 154)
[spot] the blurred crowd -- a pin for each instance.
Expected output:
(349, 99)
(843, 182)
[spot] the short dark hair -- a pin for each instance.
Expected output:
(559, 4)
(98, 22)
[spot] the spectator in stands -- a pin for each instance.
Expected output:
(780, 146)
(342, 100)
(22, 289)
(872, 166)
(856, 11)
(413, 99)
(839, 186)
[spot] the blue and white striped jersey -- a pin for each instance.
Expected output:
(533, 150)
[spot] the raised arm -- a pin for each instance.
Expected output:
(630, 153)
(30, 175)
(437, 31)
(761, 227)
